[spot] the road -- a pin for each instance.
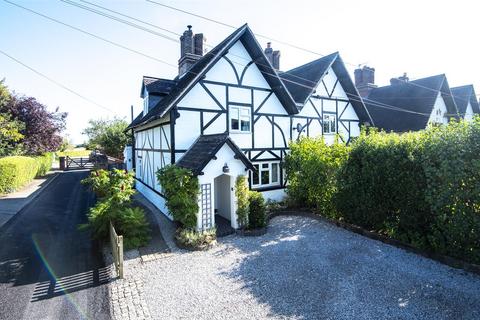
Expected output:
(48, 268)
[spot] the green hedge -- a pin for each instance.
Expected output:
(312, 168)
(17, 171)
(422, 188)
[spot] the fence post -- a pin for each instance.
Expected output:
(116, 242)
(120, 257)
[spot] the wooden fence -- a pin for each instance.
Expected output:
(117, 251)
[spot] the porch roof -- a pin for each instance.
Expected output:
(205, 148)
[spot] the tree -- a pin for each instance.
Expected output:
(42, 128)
(108, 135)
(10, 135)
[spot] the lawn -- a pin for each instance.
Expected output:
(77, 152)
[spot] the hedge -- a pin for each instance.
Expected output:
(311, 168)
(17, 171)
(421, 188)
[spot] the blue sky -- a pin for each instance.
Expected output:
(421, 38)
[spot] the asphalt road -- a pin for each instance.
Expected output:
(48, 268)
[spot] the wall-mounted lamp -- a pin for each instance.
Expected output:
(225, 168)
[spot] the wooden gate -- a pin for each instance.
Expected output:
(78, 163)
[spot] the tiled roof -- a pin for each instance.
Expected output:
(406, 106)
(205, 148)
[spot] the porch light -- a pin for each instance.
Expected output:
(226, 169)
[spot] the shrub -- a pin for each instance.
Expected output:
(452, 168)
(381, 186)
(311, 168)
(241, 193)
(114, 190)
(44, 163)
(196, 239)
(257, 217)
(15, 172)
(181, 190)
(117, 184)
(132, 224)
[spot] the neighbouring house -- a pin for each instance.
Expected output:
(466, 101)
(231, 112)
(406, 105)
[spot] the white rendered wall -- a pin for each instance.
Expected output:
(469, 112)
(154, 198)
(274, 195)
(214, 169)
(439, 106)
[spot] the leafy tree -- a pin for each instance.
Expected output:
(108, 135)
(10, 135)
(42, 128)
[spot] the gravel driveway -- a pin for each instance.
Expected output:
(307, 269)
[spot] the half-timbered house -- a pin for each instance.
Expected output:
(231, 112)
(406, 105)
(466, 101)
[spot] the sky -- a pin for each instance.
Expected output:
(421, 38)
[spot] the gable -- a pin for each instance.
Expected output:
(330, 86)
(439, 111)
(238, 68)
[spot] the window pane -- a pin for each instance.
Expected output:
(264, 165)
(245, 124)
(255, 175)
(234, 119)
(245, 112)
(265, 177)
(234, 124)
(325, 125)
(274, 172)
(333, 124)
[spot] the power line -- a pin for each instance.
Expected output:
(154, 32)
(386, 106)
(55, 82)
(90, 34)
(231, 26)
(372, 102)
(259, 35)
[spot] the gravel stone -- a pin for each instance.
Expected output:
(305, 269)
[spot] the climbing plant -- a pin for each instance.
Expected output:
(181, 188)
(242, 193)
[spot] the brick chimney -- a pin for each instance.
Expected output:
(273, 56)
(191, 50)
(365, 80)
(399, 80)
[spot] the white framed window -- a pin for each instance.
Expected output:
(329, 123)
(240, 119)
(267, 174)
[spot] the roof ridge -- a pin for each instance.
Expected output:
(336, 53)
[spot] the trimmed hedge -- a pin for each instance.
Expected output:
(17, 171)
(257, 214)
(312, 168)
(421, 188)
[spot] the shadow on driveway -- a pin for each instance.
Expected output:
(309, 269)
